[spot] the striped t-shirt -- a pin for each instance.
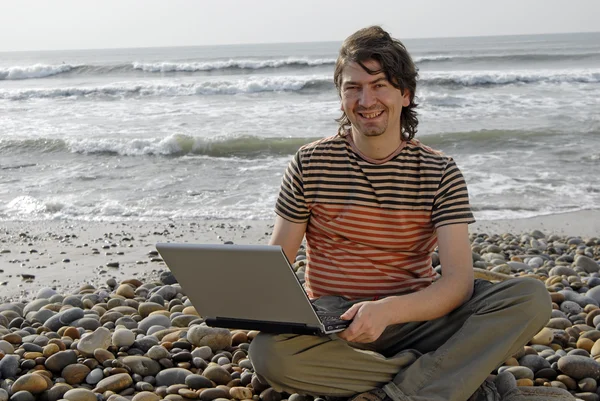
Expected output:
(371, 223)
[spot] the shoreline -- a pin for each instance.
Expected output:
(69, 254)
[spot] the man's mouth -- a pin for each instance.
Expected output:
(371, 115)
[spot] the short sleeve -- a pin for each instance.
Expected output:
(451, 203)
(291, 204)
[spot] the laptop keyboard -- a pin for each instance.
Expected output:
(332, 321)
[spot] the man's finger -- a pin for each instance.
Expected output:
(350, 313)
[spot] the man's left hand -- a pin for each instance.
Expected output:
(370, 320)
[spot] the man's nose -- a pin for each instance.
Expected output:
(367, 97)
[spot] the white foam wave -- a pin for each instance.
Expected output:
(479, 78)
(33, 71)
(214, 87)
(227, 64)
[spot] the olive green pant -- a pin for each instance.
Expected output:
(443, 359)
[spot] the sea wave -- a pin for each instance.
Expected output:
(230, 64)
(176, 145)
(510, 57)
(37, 71)
(498, 78)
(33, 71)
(146, 89)
(297, 83)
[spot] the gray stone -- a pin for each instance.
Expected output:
(86, 323)
(94, 376)
(58, 361)
(172, 376)
(570, 307)
(158, 352)
(534, 362)
(22, 396)
(6, 347)
(73, 301)
(34, 306)
(217, 374)
(154, 320)
(145, 343)
(142, 365)
(589, 265)
(579, 367)
(168, 292)
(198, 381)
(70, 315)
(9, 366)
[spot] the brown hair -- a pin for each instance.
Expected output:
(373, 43)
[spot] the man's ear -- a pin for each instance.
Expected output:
(406, 98)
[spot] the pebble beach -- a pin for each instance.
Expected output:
(88, 311)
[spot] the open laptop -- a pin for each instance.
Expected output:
(251, 287)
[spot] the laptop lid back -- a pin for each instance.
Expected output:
(248, 282)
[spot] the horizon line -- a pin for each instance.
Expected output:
(290, 42)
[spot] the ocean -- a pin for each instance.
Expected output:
(201, 133)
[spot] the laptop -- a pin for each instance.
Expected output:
(250, 287)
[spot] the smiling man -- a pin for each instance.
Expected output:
(373, 203)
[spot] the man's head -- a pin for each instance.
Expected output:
(376, 80)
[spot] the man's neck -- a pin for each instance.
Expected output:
(377, 147)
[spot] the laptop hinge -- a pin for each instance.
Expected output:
(264, 326)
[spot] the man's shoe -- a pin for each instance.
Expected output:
(376, 394)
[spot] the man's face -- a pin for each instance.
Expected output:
(372, 104)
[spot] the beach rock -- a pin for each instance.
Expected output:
(543, 337)
(172, 376)
(158, 352)
(146, 396)
(45, 293)
(80, 394)
(126, 290)
(167, 278)
(142, 365)
(70, 315)
(195, 382)
(22, 396)
(123, 338)
(86, 323)
(100, 338)
(33, 383)
(215, 338)
(579, 367)
(75, 373)
(534, 362)
(94, 376)
(34, 306)
(116, 383)
(6, 347)
(217, 374)
(154, 320)
(240, 393)
(58, 361)
(214, 394)
(168, 292)
(588, 264)
(9, 365)
(145, 308)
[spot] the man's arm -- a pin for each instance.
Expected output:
(450, 291)
(289, 236)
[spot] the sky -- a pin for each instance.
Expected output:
(77, 24)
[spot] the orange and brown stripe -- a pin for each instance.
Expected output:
(371, 223)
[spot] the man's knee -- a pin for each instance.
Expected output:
(266, 360)
(536, 299)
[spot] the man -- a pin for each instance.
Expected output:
(373, 202)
